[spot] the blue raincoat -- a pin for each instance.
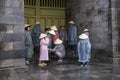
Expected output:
(28, 45)
(63, 34)
(36, 33)
(72, 35)
(84, 48)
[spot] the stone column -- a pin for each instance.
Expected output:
(12, 33)
(115, 22)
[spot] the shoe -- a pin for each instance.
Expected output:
(81, 65)
(44, 64)
(60, 60)
(86, 65)
(41, 64)
(27, 62)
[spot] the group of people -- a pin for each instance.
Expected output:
(41, 44)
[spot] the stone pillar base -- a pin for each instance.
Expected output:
(17, 63)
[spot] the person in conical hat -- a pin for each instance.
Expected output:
(43, 50)
(84, 48)
(59, 49)
(72, 37)
(28, 44)
(36, 41)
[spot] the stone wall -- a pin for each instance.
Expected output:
(11, 33)
(96, 15)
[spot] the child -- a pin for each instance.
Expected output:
(59, 49)
(43, 50)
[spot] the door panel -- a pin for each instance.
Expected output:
(49, 22)
(62, 21)
(42, 23)
(56, 22)
(48, 12)
(26, 20)
(32, 21)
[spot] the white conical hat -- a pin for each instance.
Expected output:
(86, 30)
(58, 41)
(37, 22)
(54, 28)
(42, 35)
(83, 36)
(26, 25)
(51, 32)
(72, 22)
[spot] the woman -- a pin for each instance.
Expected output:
(28, 44)
(84, 48)
(59, 49)
(43, 50)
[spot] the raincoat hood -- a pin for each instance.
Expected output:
(83, 36)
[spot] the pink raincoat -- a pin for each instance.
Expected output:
(44, 49)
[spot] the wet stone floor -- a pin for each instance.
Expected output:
(66, 70)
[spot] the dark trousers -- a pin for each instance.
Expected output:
(36, 54)
(72, 48)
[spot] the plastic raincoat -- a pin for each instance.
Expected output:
(36, 33)
(28, 45)
(84, 48)
(72, 35)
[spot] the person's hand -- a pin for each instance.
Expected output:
(49, 49)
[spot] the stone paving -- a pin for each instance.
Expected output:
(66, 70)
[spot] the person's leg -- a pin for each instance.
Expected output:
(74, 48)
(27, 61)
(81, 64)
(85, 63)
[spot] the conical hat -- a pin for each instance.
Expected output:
(72, 22)
(83, 36)
(54, 28)
(58, 41)
(52, 32)
(37, 22)
(42, 35)
(26, 25)
(86, 30)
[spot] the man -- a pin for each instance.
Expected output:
(36, 33)
(72, 37)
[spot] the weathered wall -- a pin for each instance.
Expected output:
(97, 16)
(11, 33)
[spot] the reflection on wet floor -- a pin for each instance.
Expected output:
(67, 70)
